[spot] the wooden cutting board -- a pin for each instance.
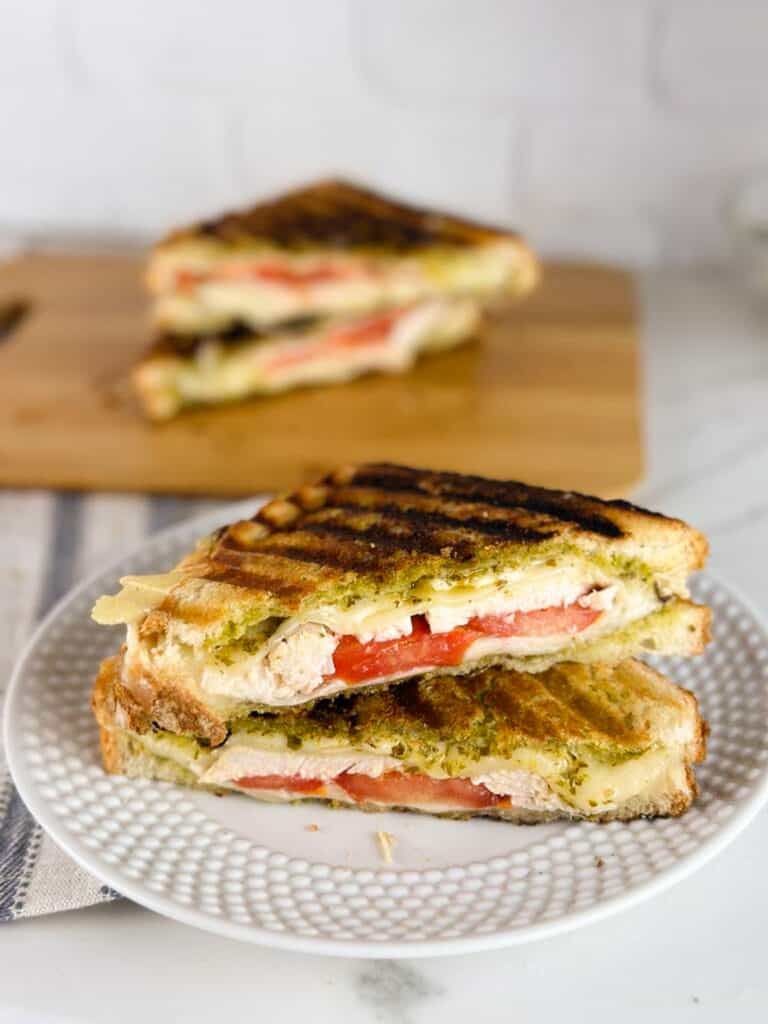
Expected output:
(549, 395)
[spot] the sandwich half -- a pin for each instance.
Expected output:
(182, 370)
(379, 572)
(575, 741)
(326, 250)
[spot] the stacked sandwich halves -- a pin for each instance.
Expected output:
(323, 284)
(393, 637)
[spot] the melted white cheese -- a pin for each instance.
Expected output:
(443, 617)
(139, 594)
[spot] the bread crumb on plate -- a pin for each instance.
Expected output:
(386, 843)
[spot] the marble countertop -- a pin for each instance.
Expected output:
(695, 953)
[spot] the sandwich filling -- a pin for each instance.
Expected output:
(529, 779)
(204, 289)
(333, 351)
(440, 624)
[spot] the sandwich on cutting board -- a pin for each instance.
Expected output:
(317, 286)
(490, 593)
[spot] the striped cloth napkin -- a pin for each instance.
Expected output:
(36, 877)
(47, 542)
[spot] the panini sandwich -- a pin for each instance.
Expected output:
(182, 370)
(378, 572)
(329, 249)
(574, 741)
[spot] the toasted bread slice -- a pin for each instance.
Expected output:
(380, 572)
(186, 370)
(330, 248)
(333, 213)
(587, 742)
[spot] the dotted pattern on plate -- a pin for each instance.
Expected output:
(155, 836)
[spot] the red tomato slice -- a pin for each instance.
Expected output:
(274, 273)
(295, 356)
(296, 278)
(371, 331)
(365, 332)
(293, 783)
(542, 622)
(404, 789)
(185, 280)
(355, 662)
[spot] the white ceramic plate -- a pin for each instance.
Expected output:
(259, 872)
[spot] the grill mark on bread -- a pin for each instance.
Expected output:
(641, 681)
(419, 519)
(340, 215)
(509, 495)
(304, 546)
(271, 568)
(547, 706)
(313, 542)
(357, 533)
(221, 572)
(592, 709)
(502, 704)
(532, 708)
(357, 537)
(383, 538)
(334, 556)
(413, 700)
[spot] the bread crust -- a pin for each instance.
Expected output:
(337, 213)
(111, 752)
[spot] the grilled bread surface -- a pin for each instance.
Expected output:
(378, 528)
(615, 710)
(340, 215)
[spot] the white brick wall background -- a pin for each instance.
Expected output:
(611, 128)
